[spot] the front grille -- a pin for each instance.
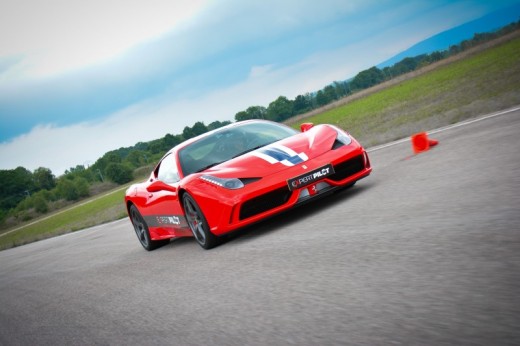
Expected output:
(264, 202)
(348, 168)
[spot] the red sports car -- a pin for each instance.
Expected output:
(239, 174)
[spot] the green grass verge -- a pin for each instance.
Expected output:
(480, 84)
(477, 85)
(95, 211)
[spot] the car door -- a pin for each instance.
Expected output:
(162, 204)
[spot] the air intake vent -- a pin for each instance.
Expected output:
(348, 168)
(264, 203)
(246, 181)
(337, 144)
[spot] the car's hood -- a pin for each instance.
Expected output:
(279, 156)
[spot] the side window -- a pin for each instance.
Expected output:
(168, 170)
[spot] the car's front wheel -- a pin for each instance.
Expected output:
(142, 232)
(198, 224)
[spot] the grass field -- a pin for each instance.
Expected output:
(482, 83)
(477, 85)
(94, 211)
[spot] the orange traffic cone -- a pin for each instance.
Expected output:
(421, 142)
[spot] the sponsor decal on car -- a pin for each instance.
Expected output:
(173, 220)
(310, 177)
(280, 154)
(176, 221)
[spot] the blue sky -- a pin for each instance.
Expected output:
(80, 78)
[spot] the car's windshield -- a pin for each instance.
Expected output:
(228, 143)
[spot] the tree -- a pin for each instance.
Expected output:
(67, 190)
(253, 112)
(217, 124)
(170, 140)
(280, 109)
(199, 128)
(388, 72)
(72, 170)
(101, 164)
(3, 215)
(322, 98)
(118, 173)
(82, 172)
(341, 89)
(16, 185)
(330, 91)
(455, 49)
(436, 56)
(242, 115)
(257, 112)
(81, 186)
(302, 104)
(40, 204)
(368, 78)
(44, 179)
(156, 146)
(327, 95)
(137, 158)
(406, 65)
(187, 133)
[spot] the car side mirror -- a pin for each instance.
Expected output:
(306, 126)
(160, 186)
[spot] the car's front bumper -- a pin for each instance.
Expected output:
(273, 194)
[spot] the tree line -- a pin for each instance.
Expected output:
(25, 194)
(283, 108)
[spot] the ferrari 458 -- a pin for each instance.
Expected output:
(240, 174)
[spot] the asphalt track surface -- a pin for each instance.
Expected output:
(425, 251)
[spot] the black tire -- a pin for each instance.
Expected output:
(198, 224)
(343, 188)
(350, 185)
(142, 232)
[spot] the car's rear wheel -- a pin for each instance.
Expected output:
(198, 224)
(142, 232)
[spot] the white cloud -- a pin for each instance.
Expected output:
(56, 36)
(60, 148)
(225, 25)
(257, 71)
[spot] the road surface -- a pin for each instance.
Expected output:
(425, 251)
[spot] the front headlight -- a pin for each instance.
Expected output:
(228, 183)
(342, 138)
